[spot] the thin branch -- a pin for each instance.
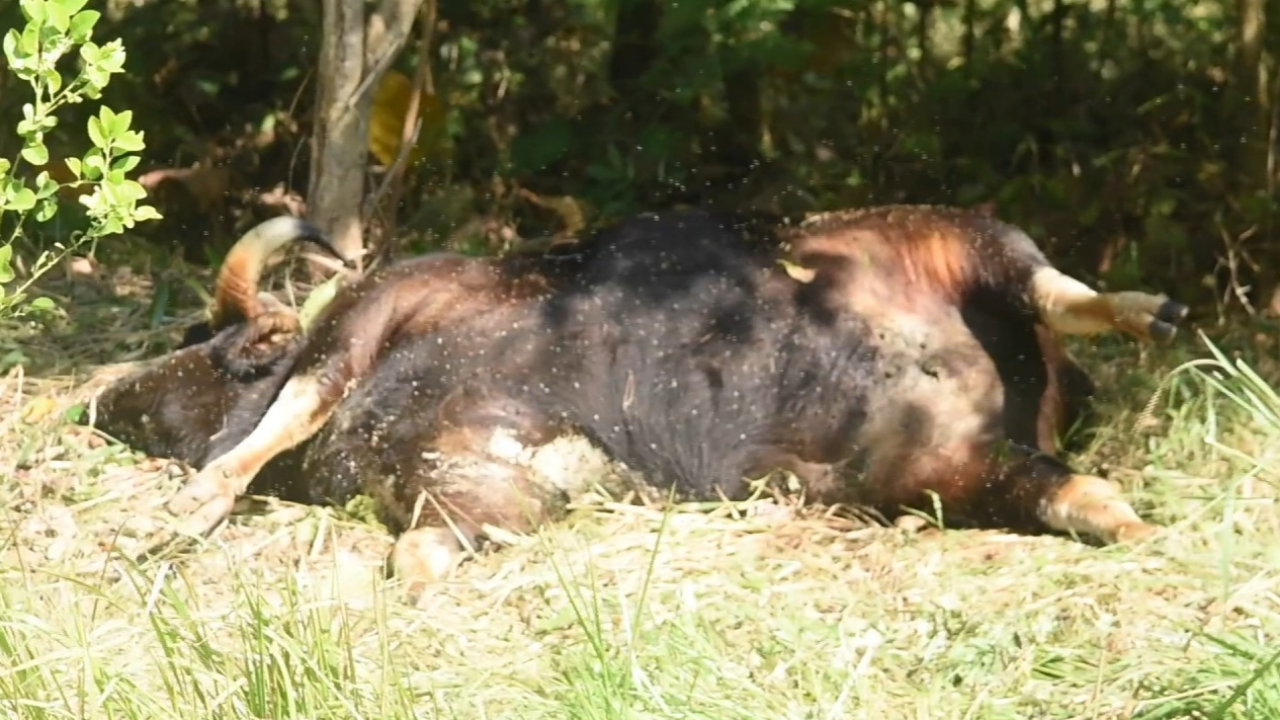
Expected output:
(388, 30)
(393, 182)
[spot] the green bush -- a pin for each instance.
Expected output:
(53, 29)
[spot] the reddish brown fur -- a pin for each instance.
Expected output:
(912, 250)
(933, 253)
(409, 300)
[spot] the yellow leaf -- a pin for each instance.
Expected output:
(319, 299)
(799, 273)
(37, 410)
(572, 211)
(386, 123)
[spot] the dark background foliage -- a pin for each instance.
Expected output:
(1135, 139)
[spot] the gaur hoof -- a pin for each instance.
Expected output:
(1136, 532)
(1167, 316)
(203, 503)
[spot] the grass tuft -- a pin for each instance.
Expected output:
(754, 611)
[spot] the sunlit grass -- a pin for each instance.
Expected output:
(641, 613)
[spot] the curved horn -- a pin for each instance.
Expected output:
(235, 295)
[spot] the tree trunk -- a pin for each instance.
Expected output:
(739, 145)
(924, 39)
(353, 58)
(338, 148)
(1252, 72)
(635, 44)
(968, 42)
(1108, 36)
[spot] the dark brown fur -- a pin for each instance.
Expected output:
(465, 392)
(201, 400)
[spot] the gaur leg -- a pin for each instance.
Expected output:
(1066, 305)
(493, 463)
(302, 407)
(424, 556)
(1090, 505)
(1027, 492)
(1037, 491)
(344, 347)
(975, 249)
(446, 464)
(1070, 307)
(445, 506)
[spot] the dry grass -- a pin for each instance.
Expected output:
(631, 612)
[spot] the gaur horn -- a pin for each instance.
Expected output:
(235, 295)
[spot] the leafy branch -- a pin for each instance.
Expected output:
(53, 29)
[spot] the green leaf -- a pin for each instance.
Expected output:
(30, 42)
(11, 52)
(95, 133)
(57, 16)
(107, 116)
(93, 89)
(90, 53)
(143, 213)
(126, 163)
(113, 56)
(46, 209)
(4, 167)
(42, 303)
(53, 43)
(74, 414)
(318, 300)
(6, 268)
(36, 154)
(34, 10)
(53, 79)
(91, 202)
(71, 7)
(119, 123)
(45, 185)
(21, 200)
(131, 191)
(73, 165)
(82, 25)
(123, 192)
(129, 141)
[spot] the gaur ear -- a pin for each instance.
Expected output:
(256, 346)
(196, 334)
